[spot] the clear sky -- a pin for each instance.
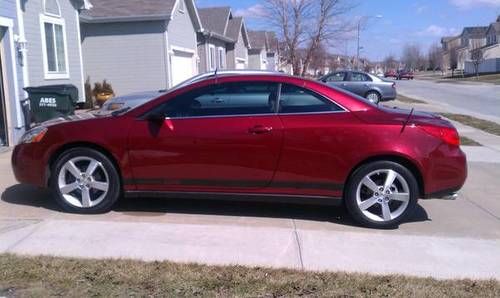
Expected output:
(420, 21)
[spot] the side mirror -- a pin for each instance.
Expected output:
(155, 117)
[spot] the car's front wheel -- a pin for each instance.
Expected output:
(85, 181)
(381, 194)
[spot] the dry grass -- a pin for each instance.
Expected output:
(465, 141)
(487, 78)
(46, 276)
(407, 99)
(485, 125)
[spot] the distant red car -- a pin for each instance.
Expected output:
(267, 135)
(405, 75)
(391, 74)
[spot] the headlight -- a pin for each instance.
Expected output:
(34, 135)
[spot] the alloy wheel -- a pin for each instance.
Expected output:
(383, 195)
(83, 182)
(373, 97)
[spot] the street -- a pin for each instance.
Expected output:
(474, 99)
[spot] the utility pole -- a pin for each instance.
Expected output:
(361, 19)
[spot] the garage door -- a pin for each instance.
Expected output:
(240, 64)
(182, 67)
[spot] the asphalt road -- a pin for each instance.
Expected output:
(477, 99)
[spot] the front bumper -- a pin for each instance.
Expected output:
(28, 165)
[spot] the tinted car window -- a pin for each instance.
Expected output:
(359, 77)
(335, 77)
(294, 99)
(240, 98)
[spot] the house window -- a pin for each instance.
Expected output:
(51, 7)
(211, 57)
(54, 47)
(220, 57)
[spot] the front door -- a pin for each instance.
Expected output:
(221, 137)
(3, 117)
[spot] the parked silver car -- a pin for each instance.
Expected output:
(373, 88)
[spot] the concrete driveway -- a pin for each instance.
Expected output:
(481, 100)
(444, 239)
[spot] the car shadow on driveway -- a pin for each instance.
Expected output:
(147, 207)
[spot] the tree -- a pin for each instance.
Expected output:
(435, 57)
(412, 57)
(390, 62)
(477, 57)
(453, 60)
(306, 25)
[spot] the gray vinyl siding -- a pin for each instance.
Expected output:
(240, 49)
(203, 48)
(32, 11)
(255, 57)
(131, 56)
(230, 58)
(181, 31)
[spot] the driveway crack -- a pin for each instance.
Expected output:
(299, 246)
(35, 228)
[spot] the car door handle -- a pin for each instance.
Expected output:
(260, 129)
(344, 84)
(218, 100)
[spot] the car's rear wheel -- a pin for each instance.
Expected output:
(373, 96)
(85, 181)
(381, 194)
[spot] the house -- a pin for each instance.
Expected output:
(272, 52)
(492, 48)
(11, 76)
(223, 43)
(470, 39)
(40, 45)
(257, 53)
(450, 45)
(137, 46)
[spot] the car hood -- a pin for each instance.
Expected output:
(73, 118)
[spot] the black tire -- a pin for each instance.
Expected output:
(113, 192)
(352, 185)
(379, 97)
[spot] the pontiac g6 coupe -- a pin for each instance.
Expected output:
(261, 135)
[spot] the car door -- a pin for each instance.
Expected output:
(337, 79)
(358, 83)
(223, 137)
(317, 137)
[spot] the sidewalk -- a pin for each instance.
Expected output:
(283, 247)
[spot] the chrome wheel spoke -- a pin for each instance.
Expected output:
(99, 185)
(368, 203)
(86, 200)
(69, 188)
(389, 180)
(368, 182)
(92, 167)
(73, 169)
(398, 196)
(386, 211)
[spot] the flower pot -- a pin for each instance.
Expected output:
(102, 97)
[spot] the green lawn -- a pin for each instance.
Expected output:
(46, 276)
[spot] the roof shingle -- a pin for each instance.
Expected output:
(106, 9)
(214, 19)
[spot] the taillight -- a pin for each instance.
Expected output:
(448, 134)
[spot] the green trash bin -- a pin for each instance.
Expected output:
(51, 101)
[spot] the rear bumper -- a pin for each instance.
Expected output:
(447, 173)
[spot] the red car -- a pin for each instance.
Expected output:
(391, 74)
(262, 135)
(403, 74)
